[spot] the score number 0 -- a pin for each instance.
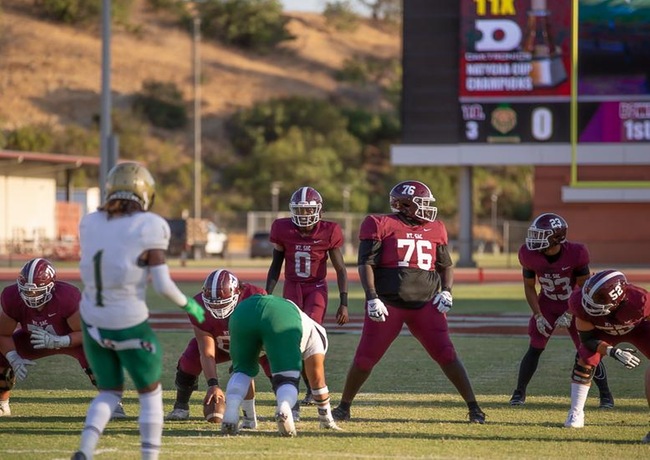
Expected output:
(541, 125)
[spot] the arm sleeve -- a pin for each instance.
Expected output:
(163, 285)
(589, 340)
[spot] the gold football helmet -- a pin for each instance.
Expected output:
(131, 181)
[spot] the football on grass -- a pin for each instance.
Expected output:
(213, 412)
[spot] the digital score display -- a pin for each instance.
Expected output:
(515, 71)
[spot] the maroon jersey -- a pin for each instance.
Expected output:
(630, 313)
(558, 278)
(405, 273)
(52, 317)
(306, 254)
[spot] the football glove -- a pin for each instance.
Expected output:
(40, 338)
(18, 364)
(443, 301)
(542, 325)
(377, 311)
(564, 320)
(624, 356)
(194, 309)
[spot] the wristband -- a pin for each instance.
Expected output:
(446, 288)
(371, 294)
(213, 382)
(344, 298)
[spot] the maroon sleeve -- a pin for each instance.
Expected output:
(369, 229)
(336, 239)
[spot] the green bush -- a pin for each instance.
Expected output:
(341, 16)
(162, 104)
(257, 25)
(82, 11)
(31, 138)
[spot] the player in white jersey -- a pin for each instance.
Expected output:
(122, 246)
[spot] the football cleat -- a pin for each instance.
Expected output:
(178, 414)
(575, 420)
(286, 427)
(476, 415)
(5, 410)
(230, 429)
(328, 424)
(340, 414)
(518, 398)
(606, 401)
(308, 401)
(78, 455)
(248, 423)
(118, 412)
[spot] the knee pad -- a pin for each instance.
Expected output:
(582, 374)
(278, 380)
(185, 381)
(7, 379)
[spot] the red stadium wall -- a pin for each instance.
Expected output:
(615, 233)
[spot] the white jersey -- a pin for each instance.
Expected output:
(114, 284)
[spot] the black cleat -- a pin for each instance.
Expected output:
(78, 455)
(340, 414)
(606, 401)
(518, 398)
(476, 415)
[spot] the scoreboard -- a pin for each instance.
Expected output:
(515, 68)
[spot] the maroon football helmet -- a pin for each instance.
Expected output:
(413, 199)
(546, 231)
(220, 293)
(604, 292)
(36, 282)
(305, 205)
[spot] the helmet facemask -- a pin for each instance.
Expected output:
(305, 215)
(35, 296)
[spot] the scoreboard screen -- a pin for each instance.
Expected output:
(515, 71)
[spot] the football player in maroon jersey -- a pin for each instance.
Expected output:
(48, 313)
(608, 311)
(221, 293)
(407, 275)
(558, 266)
(305, 241)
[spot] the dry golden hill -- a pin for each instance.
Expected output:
(52, 73)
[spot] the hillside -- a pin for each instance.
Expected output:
(52, 73)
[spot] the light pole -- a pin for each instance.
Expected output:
(196, 60)
(196, 88)
(494, 199)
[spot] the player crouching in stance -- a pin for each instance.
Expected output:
(608, 311)
(210, 345)
(50, 325)
(288, 336)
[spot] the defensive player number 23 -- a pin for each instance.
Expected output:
(556, 289)
(415, 250)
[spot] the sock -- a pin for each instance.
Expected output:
(235, 393)
(600, 377)
(287, 395)
(528, 367)
(99, 413)
(248, 408)
(151, 423)
(579, 395)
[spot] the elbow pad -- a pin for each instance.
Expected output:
(163, 285)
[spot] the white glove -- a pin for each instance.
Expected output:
(625, 356)
(542, 325)
(443, 301)
(43, 339)
(377, 311)
(18, 364)
(564, 320)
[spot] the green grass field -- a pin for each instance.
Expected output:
(407, 409)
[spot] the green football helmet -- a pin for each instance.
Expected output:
(131, 181)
